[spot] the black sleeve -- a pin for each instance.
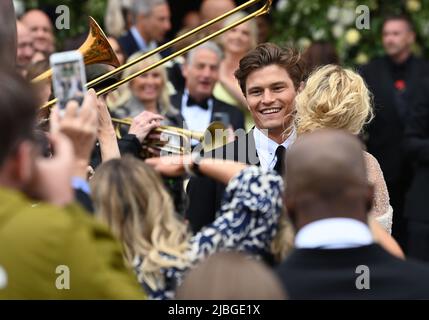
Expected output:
(84, 200)
(416, 141)
(204, 197)
(129, 144)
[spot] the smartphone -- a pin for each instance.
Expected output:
(68, 77)
(222, 117)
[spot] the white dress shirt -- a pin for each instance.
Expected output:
(196, 118)
(334, 233)
(266, 148)
(141, 43)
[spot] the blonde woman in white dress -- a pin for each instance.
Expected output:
(338, 98)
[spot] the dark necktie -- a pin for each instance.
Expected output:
(280, 153)
(203, 104)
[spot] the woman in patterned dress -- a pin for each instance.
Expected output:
(129, 196)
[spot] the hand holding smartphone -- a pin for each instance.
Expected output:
(68, 77)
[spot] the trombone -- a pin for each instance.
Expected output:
(93, 47)
(174, 140)
(96, 49)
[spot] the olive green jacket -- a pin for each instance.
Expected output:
(47, 252)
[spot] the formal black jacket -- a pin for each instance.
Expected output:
(129, 45)
(385, 133)
(236, 115)
(332, 274)
(416, 144)
(205, 194)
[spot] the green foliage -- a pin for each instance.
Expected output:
(299, 22)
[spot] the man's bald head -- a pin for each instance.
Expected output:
(41, 30)
(326, 177)
(211, 9)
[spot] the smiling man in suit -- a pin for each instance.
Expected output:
(269, 77)
(197, 104)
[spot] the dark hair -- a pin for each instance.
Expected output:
(320, 53)
(400, 17)
(17, 112)
(267, 54)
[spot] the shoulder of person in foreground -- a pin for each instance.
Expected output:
(59, 253)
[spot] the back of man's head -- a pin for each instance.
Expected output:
(326, 178)
(17, 113)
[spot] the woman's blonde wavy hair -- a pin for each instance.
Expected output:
(335, 98)
(164, 98)
(129, 196)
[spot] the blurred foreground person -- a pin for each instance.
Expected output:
(231, 276)
(129, 196)
(54, 249)
(328, 199)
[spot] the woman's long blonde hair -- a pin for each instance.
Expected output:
(164, 99)
(130, 198)
(335, 98)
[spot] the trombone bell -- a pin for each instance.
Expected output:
(174, 140)
(95, 49)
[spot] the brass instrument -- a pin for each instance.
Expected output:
(174, 140)
(95, 49)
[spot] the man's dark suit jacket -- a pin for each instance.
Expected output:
(416, 144)
(129, 45)
(205, 194)
(386, 130)
(236, 116)
(333, 274)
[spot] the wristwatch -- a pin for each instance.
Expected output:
(193, 168)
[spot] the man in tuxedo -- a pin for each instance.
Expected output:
(328, 198)
(393, 80)
(270, 78)
(151, 22)
(197, 104)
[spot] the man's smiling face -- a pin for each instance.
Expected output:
(270, 96)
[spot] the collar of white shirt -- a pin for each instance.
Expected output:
(266, 148)
(141, 43)
(196, 118)
(333, 233)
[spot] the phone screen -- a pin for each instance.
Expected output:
(69, 81)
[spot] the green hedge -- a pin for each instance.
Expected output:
(300, 22)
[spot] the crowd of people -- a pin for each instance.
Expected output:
(323, 169)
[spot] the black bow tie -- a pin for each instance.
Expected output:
(203, 104)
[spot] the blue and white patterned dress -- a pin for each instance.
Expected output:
(247, 222)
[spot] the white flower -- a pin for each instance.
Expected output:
(361, 58)
(304, 43)
(319, 34)
(294, 19)
(425, 29)
(333, 13)
(282, 5)
(352, 37)
(338, 30)
(19, 7)
(347, 16)
(413, 5)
